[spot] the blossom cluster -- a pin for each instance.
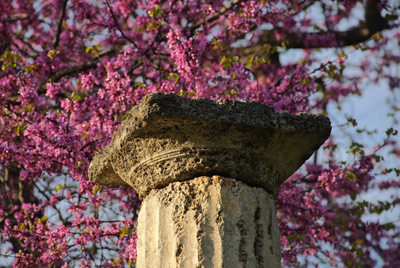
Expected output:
(71, 71)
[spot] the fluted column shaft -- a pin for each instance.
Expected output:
(208, 222)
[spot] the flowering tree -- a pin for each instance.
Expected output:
(72, 69)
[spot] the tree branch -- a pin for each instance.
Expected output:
(60, 22)
(216, 16)
(117, 25)
(75, 69)
(374, 22)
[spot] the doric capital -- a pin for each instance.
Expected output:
(167, 138)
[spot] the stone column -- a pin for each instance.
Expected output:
(207, 172)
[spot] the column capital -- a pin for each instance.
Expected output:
(167, 138)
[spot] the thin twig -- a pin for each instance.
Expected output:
(374, 23)
(60, 23)
(117, 25)
(217, 15)
(75, 69)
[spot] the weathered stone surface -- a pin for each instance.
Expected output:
(208, 222)
(169, 138)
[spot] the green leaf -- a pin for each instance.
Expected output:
(341, 69)
(270, 49)
(351, 120)
(377, 158)
(155, 11)
(186, 93)
(153, 25)
(225, 62)
(263, 60)
(249, 63)
(140, 85)
(78, 95)
(189, 93)
(10, 56)
(42, 219)
(305, 81)
(123, 117)
(342, 54)
(20, 128)
(356, 148)
(52, 53)
(391, 17)
(378, 36)
(351, 176)
(173, 75)
(391, 131)
(92, 49)
(389, 226)
(31, 67)
(29, 108)
(331, 71)
(59, 187)
(9, 59)
(123, 232)
(96, 189)
(216, 44)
